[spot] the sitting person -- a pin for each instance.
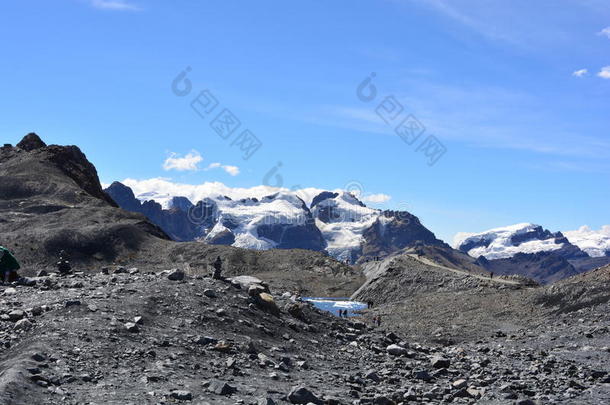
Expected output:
(8, 266)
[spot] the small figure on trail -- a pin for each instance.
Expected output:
(378, 321)
(217, 266)
(491, 275)
(63, 264)
(8, 266)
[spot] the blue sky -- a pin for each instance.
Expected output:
(516, 92)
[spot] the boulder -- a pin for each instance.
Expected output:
(175, 275)
(221, 388)
(266, 302)
(396, 350)
(440, 362)
(301, 395)
(181, 395)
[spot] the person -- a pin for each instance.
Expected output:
(63, 264)
(217, 266)
(8, 265)
(491, 275)
(378, 321)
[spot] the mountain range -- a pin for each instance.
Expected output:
(341, 225)
(337, 223)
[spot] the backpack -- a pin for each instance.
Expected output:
(7, 260)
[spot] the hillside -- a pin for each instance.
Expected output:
(51, 200)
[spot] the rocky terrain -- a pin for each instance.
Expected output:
(129, 336)
(141, 321)
(51, 200)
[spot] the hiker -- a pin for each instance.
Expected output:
(378, 321)
(63, 264)
(491, 275)
(8, 265)
(217, 265)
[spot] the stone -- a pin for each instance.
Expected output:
(175, 275)
(132, 327)
(383, 400)
(16, 314)
(205, 340)
(255, 290)
(266, 401)
(373, 376)
(301, 395)
(38, 357)
(440, 362)
(221, 388)
(396, 350)
(209, 293)
(42, 273)
(23, 324)
(461, 383)
(223, 347)
(267, 302)
(245, 282)
(181, 395)
(422, 375)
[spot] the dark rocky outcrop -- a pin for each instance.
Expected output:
(394, 231)
(175, 221)
(544, 267)
(51, 199)
(30, 142)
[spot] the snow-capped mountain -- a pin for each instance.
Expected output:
(532, 251)
(506, 242)
(595, 243)
(336, 222)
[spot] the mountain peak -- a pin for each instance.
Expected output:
(31, 142)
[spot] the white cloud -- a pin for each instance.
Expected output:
(376, 198)
(605, 31)
(580, 73)
(188, 162)
(162, 190)
(232, 170)
(119, 5)
(605, 72)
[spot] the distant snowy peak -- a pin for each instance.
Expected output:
(595, 243)
(343, 220)
(337, 221)
(506, 242)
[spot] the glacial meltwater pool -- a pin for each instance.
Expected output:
(333, 305)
